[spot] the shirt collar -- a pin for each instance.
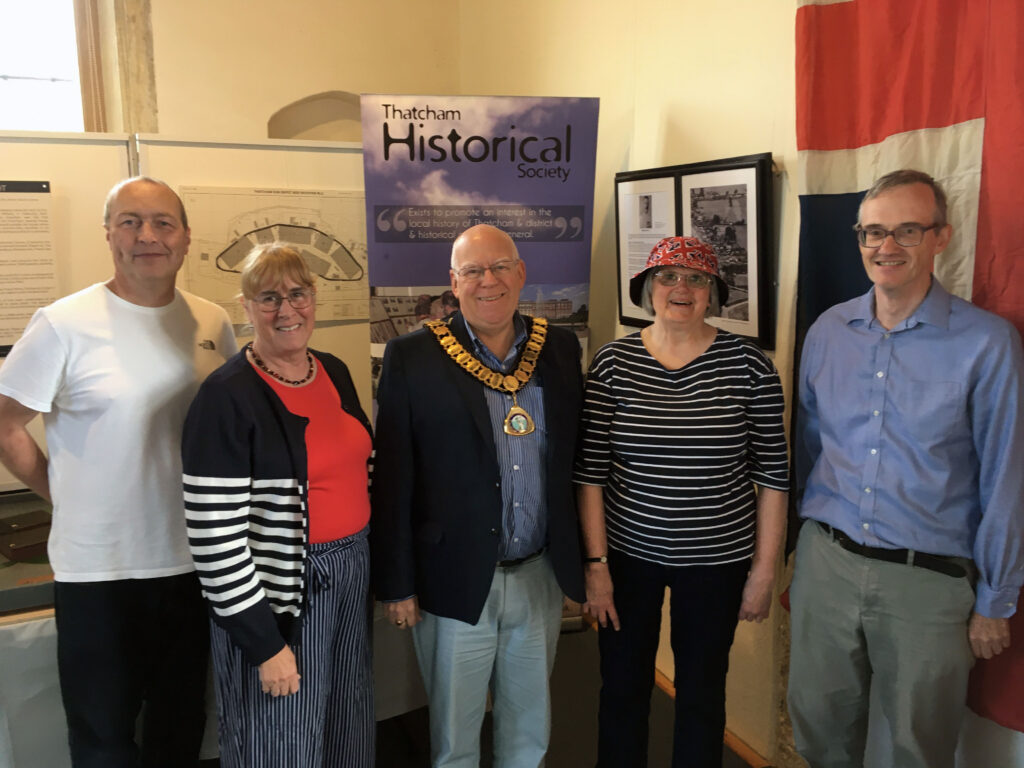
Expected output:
(485, 353)
(934, 310)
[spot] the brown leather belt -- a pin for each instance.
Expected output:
(938, 563)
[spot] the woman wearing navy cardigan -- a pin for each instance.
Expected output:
(275, 453)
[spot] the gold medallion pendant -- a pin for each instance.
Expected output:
(517, 422)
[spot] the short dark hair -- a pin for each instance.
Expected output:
(902, 178)
(112, 195)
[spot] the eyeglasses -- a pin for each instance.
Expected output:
(907, 235)
(499, 269)
(299, 298)
(692, 279)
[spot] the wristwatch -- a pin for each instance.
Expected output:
(601, 559)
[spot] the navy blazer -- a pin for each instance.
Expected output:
(436, 494)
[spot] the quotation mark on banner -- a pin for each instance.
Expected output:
(398, 221)
(575, 222)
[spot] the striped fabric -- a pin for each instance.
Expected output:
(520, 458)
(676, 451)
(329, 723)
(241, 531)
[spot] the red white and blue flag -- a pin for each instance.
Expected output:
(936, 85)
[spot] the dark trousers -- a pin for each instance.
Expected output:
(705, 603)
(131, 646)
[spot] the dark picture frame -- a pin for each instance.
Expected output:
(727, 203)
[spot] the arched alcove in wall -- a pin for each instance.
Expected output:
(327, 116)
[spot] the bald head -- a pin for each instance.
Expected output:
(487, 276)
(139, 180)
(481, 239)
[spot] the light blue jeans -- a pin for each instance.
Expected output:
(511, 650)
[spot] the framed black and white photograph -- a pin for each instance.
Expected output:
(727, 204)
(647, 209)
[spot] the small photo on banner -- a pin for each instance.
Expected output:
(436, 165)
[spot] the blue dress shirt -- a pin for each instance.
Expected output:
(520, 457)
(914, 438)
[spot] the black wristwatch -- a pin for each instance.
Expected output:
(601, 559)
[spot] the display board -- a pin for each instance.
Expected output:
(239, 194)
(80, 169)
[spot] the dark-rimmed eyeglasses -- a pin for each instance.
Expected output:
(473, 273)
(299, 298)
(907, 235)
(692, 279)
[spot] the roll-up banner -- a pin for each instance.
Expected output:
(437, 165)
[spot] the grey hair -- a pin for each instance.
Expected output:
(647, 304)
(902, 178)
(112, 195)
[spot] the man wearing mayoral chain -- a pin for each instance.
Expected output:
(474, 531)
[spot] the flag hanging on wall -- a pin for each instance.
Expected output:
(932, 85)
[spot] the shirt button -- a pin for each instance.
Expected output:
(515, 467)
(874, 413)
(515, 538)
(879, 374)
(867, 490)
(515, 504)
(886, 336)
(874, 451)
(494, 531)
(865, 526)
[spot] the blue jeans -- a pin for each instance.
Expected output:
(705, 604)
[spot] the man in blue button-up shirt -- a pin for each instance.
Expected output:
(908, 455)
(474, 533)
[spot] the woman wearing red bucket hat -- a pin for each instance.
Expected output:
(681, 420)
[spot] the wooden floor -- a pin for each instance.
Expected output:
(403, 742)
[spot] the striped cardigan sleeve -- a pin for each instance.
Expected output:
(219, 495)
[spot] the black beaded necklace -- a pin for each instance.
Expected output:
(263, 367)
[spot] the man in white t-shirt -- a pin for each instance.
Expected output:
(113, 369)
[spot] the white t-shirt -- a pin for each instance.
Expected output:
(114, 381)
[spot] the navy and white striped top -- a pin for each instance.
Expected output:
(677, 451)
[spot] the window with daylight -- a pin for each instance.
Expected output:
(49, 66)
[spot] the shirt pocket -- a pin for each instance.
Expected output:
(931, 411)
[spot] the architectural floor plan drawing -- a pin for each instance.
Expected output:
(327, 227)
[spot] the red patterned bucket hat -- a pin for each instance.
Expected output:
(689, 252)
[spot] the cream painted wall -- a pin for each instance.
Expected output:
(224, 67)
(570, 48)
(679, 81)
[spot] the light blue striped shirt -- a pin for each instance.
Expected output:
(520, 457)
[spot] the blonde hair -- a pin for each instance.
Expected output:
(270, 264)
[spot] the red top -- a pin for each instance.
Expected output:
(337, 449)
